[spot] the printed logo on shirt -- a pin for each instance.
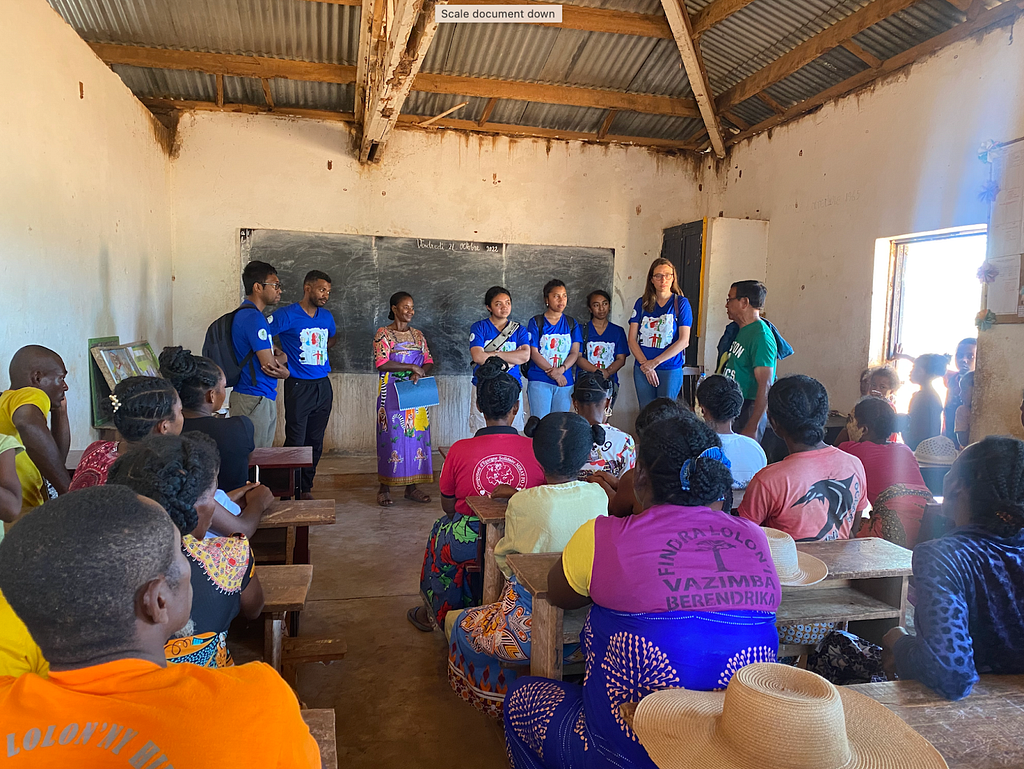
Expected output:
(490, 472)
(736, 350)
(840, 499)
(114, 738)
(601, 354)
(554, 348)
(472, 336)
(658, 332)
(262, 334)
(270, 319)
(313, 346)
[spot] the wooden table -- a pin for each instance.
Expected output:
(297, 516)
(983, 731)
(322, 727)
(491, 513)
(866, 586)
(285, 589)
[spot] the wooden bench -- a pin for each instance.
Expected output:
(284, 589)
(491, 513)
(322, 726)
(297, 651)
(295, 516)
(983, 731)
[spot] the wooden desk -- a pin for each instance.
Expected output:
(284, 589)
(322, 727)
(866, 586)
(491, 513)
(983, 731)
(297, 515)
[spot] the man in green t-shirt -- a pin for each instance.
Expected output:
(752, 355)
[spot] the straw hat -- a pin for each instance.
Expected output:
(939, 450)
(774, 715)
(792, 566)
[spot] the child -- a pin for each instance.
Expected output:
(895, 488)
(962, 420)
(925, 413)
(538, 520)
(591, 397)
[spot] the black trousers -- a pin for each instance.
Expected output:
(307, 409)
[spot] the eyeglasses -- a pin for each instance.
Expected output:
(663, 276)
(273, 285)
(731, 299)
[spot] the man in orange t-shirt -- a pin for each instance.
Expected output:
(100, 580)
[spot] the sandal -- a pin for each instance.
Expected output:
(411, 616)
(384, 499)
(417, 496)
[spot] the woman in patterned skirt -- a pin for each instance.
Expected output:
(683, 596)
(403, 437)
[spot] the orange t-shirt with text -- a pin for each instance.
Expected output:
(811, 495)
(134, 713)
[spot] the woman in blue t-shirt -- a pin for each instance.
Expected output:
(659, 332)
(554, 348)
(604, 348)
(501, 337)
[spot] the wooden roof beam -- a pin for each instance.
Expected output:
(715, 12)
(810, 50)
(1001, 14)
(679, 20)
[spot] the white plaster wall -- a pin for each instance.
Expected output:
(736, 249)
(258, 171)
(900, 158)
(85, 235)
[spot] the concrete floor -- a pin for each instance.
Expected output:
(391, 696)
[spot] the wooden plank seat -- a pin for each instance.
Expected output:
(298, 651)
(284, 590)
(294, 516)
(321, 725)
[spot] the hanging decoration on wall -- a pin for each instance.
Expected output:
(989, 151)
(985, 320)
(988, 272)
(989, 192)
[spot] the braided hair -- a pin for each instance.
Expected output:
(667, 445)
(140, 403)
(720, 397)
(993, 472)
(562, 442)
(192, 375)
(497, 391)
(657, 410)
(799, 405)
(174, 470)
(877, 415)
(591, 387)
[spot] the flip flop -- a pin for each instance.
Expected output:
(411, 616)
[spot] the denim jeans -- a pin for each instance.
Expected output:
(669, 384)
(545, 398)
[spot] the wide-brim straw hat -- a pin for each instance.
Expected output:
(792, 566)
(775, 715)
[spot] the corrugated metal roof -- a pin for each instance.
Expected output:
(923, 20)
(821, 74)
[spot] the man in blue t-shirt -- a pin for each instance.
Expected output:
(255, 395)
(306, 332)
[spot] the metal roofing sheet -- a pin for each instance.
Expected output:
(923, 20)
(654, 126)
(821, 74)
(430, 104)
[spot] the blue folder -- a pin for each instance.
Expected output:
(418, 395)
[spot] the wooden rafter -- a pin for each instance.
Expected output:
(488, 109)
(1001, 14)
(773, 105)
(736, 120)
(266, 93)
(679, 20)
(872, 61)
(287, 69)
(369, 18)
(606, 124)
(715, 12)
(810, 50)
(963, 5)
(220, 90)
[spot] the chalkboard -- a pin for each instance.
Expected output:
(446, 278)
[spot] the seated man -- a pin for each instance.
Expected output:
(37, 390)
(99, 578)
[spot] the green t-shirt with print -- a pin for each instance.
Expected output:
(753, 347)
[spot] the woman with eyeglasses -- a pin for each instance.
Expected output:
(659, 332)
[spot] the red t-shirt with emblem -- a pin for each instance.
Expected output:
(476, 466)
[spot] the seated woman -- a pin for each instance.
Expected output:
(662, 616)
(141, 406)
(497, 456)
(201, 385)
(180, 472)
(970, 583)
(881, 382)
(721, 400)
(895, 489)
(538, 520)
(592, 400)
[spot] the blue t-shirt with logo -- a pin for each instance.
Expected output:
(483, 331)
(659, 328)
(250, 332)
(601, 349)
(304, 340)
(554, 343)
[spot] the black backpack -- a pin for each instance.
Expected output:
(219, 347)
(524, 368)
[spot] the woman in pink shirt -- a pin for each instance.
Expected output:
(896, 490)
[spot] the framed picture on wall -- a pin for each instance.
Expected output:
(145, 359)
(116, 363)
(99, 390)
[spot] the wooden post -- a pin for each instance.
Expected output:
(546, 640)
(493, 578)
(273, 638)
